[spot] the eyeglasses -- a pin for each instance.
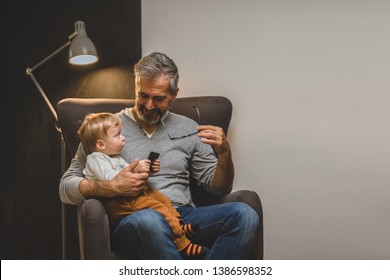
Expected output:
(182, 136)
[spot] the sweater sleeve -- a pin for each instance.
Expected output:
(203, 166)
(69, 184)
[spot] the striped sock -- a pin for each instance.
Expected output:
(190, 230)
(194, 251)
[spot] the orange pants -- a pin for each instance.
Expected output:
(119, 207)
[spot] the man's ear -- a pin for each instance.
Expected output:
(175, 94)
(100, 145)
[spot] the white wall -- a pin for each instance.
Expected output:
(309, 81)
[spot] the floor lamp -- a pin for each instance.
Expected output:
(81, 52)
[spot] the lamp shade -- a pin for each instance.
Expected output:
(82, 51)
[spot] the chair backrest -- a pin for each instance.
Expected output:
(214, 110)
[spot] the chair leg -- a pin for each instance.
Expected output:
(80, 226)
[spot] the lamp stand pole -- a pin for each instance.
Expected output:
(81, 52)
(29, 72)
(63, 206)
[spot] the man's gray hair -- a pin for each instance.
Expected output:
(155, 65)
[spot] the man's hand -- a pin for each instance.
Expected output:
(222, 181)
(214, 136)
(126, 183)
(131, 180)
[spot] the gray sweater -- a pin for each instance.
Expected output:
(179, 159)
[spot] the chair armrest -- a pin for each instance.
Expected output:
(93, 224)
(252, 199)
(249, 197)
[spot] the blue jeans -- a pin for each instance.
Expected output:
(228, 229)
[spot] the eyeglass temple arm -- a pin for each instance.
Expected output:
(197, 111)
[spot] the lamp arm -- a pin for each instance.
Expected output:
(71, 37)
(29, 72)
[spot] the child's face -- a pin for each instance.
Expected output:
(114, 141)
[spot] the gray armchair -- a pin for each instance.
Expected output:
(93, 226)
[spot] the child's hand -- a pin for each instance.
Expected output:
(156, 166)
(143, 166)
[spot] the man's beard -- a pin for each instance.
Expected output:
(143, 115)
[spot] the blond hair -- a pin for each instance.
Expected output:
(95, 127)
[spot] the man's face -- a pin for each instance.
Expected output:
(152, 99)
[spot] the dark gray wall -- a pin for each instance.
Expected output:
(30, 206)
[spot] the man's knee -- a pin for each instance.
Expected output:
(144, 234)
(246, 215)
(145, 221)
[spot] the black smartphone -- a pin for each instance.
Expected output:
(152, 157)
